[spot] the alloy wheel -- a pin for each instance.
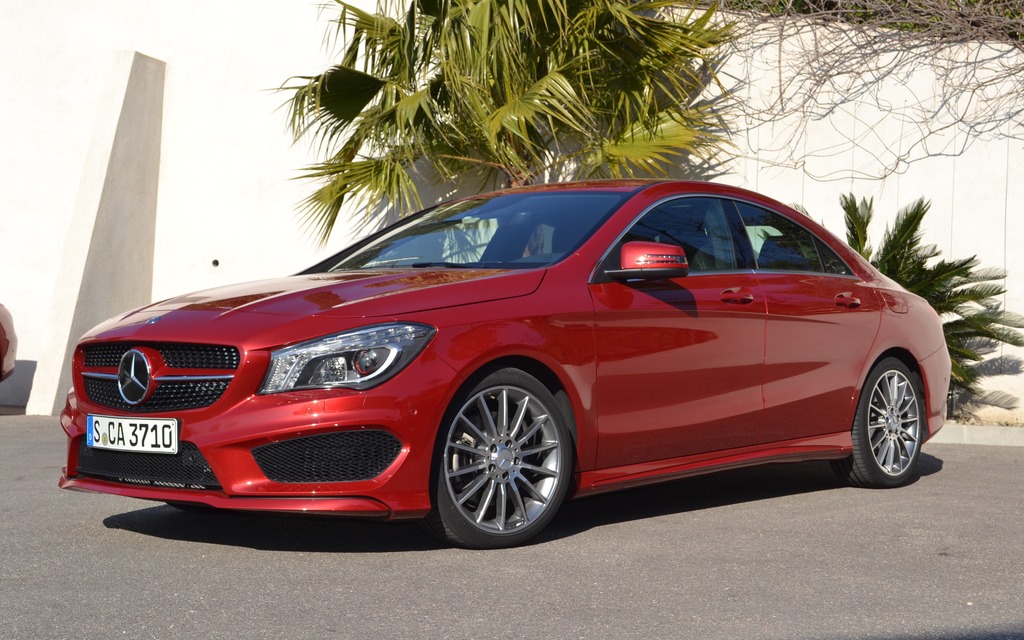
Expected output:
(502, 459)
(894, 422)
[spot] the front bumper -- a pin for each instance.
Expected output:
(409, 407)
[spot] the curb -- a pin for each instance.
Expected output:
(953, 433)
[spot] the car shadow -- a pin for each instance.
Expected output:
(305, 533)
(698, 493)
(273, 531)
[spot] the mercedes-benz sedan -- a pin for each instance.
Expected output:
(480, 362)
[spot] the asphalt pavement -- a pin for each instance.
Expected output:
(780, 551)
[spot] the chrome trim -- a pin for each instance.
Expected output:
(192, 378)
(820, 274)
(99, 376)
(113, 376)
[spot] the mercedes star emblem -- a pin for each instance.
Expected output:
(133, 377)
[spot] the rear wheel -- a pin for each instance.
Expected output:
(887, 430)
(504, 463)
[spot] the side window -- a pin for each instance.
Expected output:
(698, 225)
(779, 243)
(833, 263)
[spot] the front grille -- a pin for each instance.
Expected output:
(168, 395)
(177, 356)
(344, 456)
(186, 469)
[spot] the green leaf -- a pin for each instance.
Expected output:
(858, 217)
(966, 296)
(507, 90)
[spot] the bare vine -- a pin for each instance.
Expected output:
(904, 79)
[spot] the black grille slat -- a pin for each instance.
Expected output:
(168, 395)
(187, 469)
(198, 356)
(177, 356)
(344, 456)
(105, 355)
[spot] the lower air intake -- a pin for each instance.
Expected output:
(186, 469)
(345, 456)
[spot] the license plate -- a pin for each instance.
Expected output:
(143, 435)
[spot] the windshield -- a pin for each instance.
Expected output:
(501, 231)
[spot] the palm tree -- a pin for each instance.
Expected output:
(965, 296)
(507, 93)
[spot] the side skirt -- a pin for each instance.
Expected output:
(827, 447)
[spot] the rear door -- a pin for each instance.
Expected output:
(821, 323)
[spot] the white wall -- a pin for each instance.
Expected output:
(878, 147)
(225, 187)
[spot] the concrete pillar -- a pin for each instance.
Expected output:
(107, 258)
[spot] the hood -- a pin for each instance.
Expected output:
(257, 311)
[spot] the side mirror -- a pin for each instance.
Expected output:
(650, 261)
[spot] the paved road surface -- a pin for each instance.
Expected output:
(774, 552)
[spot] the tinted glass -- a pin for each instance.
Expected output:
(831, 261)
(505, 231)
(779, 243)
(698, 225)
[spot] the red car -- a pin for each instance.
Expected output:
(482, 361)
(8, 343)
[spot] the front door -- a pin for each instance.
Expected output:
(680, 361)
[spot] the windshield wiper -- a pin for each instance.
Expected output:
(447, 265)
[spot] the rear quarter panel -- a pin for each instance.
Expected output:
(910, 324)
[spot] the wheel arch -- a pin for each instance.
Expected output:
(539, 370)
(901, 354)
(435, 523)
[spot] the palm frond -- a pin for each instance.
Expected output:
(508, 90)
(379, 182)
(900, 251)
(858, 218)
(963, 294)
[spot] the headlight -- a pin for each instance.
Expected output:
(354, 359)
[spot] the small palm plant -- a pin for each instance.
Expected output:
(965, 296)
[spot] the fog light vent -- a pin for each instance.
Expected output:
(344, 456)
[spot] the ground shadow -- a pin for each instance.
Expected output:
(303, 533)
(705, 492)
(274, 532)
(16, 390)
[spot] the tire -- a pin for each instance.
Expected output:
(503, 463)
(887, 429)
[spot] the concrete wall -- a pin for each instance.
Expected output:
(871, 139)
(225, 168)
(85, 82)
(106, 262)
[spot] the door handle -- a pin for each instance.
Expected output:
(737, 295)
(847, 300)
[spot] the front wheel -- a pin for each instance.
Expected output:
(504, 463)
(888, 428)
